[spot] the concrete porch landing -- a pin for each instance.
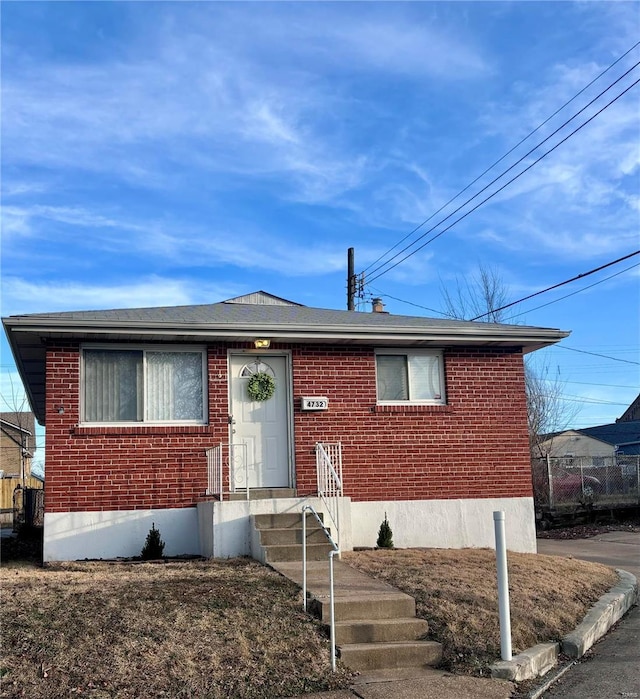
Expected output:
(376, 626)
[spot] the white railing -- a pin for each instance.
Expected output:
(214, 471)
(335, 551)
(237, 467)
(329, 475)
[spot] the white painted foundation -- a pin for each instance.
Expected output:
(72, 536)
(446, 523)
(226, 528)
(223, 529)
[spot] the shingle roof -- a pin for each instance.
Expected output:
(615, 433)
(225, 314)
(232, 321)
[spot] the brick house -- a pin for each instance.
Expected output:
(17, 447)
(150, 419)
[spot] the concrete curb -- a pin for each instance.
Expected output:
(602, 616)
(538, 660)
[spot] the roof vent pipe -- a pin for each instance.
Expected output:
(378, 306)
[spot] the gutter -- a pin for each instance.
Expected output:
(290, 331)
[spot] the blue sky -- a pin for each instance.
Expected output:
(188, 152)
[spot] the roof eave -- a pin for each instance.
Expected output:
(533, 338)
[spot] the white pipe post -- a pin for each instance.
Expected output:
(503, 586)
(304, 558)
(333, 611)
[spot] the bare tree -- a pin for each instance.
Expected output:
(477, 296)
(547, 409)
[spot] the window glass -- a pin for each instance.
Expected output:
(425, 377)
(174, 385)
(139, 385)
(411, 377)
(393, 382)
(112, 383)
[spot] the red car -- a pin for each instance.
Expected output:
(573, 486)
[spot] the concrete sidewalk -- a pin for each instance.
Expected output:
(419, 684)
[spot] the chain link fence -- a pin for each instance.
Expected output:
(586, 482)
(28, 507)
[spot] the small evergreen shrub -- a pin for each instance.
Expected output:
(153, 546)
(385, 535)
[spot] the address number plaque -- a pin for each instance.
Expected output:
(315, 403)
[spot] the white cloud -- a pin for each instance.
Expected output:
(250, 94)
(24, 296)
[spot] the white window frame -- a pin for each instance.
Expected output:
(144, 348)
(408, 353)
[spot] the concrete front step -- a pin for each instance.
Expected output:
(380, 630)
(375, 656)
(389, 605)
(293, 552)
(291, 536)
(263, 494)
(369, 616)
(284, 520)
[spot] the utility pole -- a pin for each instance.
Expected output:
(351, 280)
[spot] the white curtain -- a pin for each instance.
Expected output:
(173, 386)
(111, 386)
(424, 372)
(132, 385)
(393, 383)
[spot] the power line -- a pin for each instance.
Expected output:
(579, 291)
(591, 401)
(481, 175)
(588, 383)
(556, 286)
(530, 310)
(410, 303)
(502, 174)
(504, 186)
(595, 354)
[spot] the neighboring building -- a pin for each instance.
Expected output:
(632, 413)
(618, 438)
(17, 447)
(430, 413)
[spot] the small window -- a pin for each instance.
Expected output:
(410, 377)
(143, 385)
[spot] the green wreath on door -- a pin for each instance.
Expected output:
(261, 386)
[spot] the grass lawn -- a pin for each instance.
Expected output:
(234, 628)
(187, 629)
(456, 592)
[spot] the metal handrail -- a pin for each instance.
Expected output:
(330, 486)
(335, 551)
(215, 469)
(327, 458)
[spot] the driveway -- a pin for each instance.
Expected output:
(610, 668)
(616, 549)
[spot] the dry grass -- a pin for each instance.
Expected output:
(192, 629)
(456, 591)
(235, 628)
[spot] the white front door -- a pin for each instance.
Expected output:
(259, 429)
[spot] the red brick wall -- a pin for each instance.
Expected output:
(476, 446)
(124, 468)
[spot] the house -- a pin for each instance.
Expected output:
(165, 415)
(17, 446)
(594, 444)
(632, 413)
